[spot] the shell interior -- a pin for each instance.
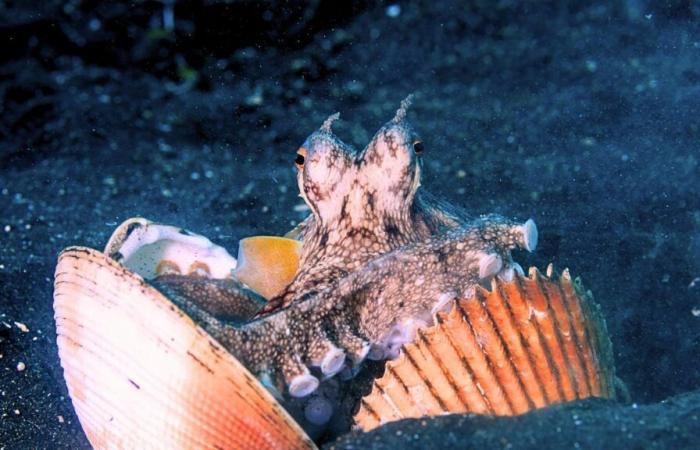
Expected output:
(267, 264)
(151, 249)
(141, 374)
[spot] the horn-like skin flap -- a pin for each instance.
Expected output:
(142, 374)
(267, 264)
(527, 343)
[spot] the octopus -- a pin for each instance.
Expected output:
(380, 258)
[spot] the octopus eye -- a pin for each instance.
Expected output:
(418, 147)
(301, 156)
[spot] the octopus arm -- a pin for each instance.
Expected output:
(300, 231)
(395, 293)
(438, 214)
(225, 299)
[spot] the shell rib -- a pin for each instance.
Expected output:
(525, 344)
(141, 374)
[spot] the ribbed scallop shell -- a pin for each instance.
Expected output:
(141, 374)
(525, 344)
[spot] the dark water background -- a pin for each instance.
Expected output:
(582, 115)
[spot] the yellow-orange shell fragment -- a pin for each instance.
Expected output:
(525, 344)
(141, 374)
(267, 264)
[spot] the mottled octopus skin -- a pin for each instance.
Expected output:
(379, 258)
(363, 204)
(409, 284)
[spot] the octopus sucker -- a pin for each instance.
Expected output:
(330, 359)
(381, 269)
(300, 382)
(489, 265)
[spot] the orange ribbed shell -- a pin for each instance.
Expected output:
(525, 344)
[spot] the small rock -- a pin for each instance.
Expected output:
(21, 366)
(22, 327)
(355, 88)
(254, 99)
(393, 11)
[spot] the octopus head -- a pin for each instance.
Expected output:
(391, 163)
(325, 173)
